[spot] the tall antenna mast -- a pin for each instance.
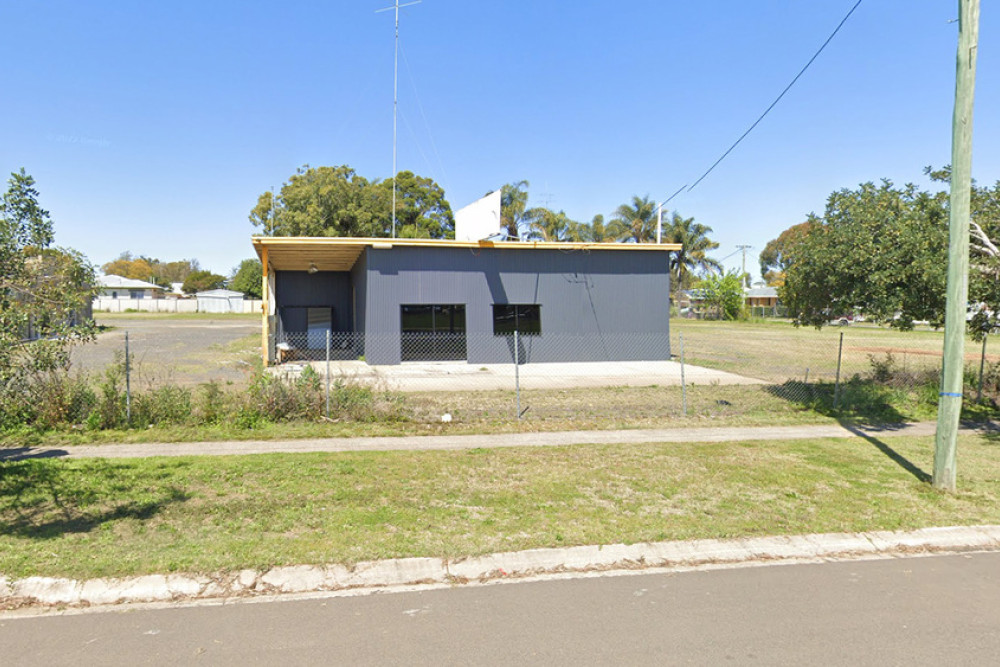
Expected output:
(395, 101)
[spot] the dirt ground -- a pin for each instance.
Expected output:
(186, 351)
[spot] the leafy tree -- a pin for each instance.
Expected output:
(247, 278)
(149, 269)
(336, 201)
(136, 268)
(879, 248)
(201, 281)
(421, 210)
(43, 291)
(695, 245)
(636, 220)
(724, 295)
(513, 205)
(778, 254)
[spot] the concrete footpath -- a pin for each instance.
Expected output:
(33, 595)
(492, 440)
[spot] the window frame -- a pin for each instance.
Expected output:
(526, 319)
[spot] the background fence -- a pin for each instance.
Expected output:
(109, 305)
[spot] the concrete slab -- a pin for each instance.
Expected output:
(459, 375)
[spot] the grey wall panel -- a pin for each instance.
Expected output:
(300, 288)
(600, 305)
(359, 294)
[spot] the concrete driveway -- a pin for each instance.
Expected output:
(462, 376)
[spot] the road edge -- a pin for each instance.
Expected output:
(47, 593)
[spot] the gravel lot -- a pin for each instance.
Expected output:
(183, 350)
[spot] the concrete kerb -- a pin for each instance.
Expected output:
(372, 576)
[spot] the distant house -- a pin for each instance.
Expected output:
(220, 301)
(763, 302)
(117, 287)
(691, 303)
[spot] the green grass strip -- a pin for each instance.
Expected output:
(89, 518)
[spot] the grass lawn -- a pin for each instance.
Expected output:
(775, 350)
(91, 518)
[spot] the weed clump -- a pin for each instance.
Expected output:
(58, 399)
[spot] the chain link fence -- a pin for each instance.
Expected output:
(704, 369)
(762, 372)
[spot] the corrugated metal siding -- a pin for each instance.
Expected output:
(300, 288)
(603, 305)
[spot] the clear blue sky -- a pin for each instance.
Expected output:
(153, 127)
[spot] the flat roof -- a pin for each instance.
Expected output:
(298, 253)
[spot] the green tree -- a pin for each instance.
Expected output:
(513, 205)
(150, 269)
(544, 224)
(336, 201)
(693, 256)
(724, 295)
(599, 232)
(779, 253)
(43, 291)
(247, 278)
(422, 211)
(636, 220)
(879, 248)
(201, 281)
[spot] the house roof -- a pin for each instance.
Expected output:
(298, 253)
(763, 292)
(221, 293)
(112, 281)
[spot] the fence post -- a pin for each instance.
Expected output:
(836, 387)
(684, 395)
(327, 373)
(128, 386)
(982, 364)
(517, 374)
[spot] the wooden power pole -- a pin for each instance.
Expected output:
(952, 381)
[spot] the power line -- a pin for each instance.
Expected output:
(777, 99)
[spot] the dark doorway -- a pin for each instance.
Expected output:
(432, 332)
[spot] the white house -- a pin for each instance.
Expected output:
(117, 287)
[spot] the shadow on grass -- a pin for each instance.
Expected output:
(861, 402)
(42, 499)
(897, 458)
(25, 453)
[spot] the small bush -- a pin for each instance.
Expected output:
(168, 404)
(56, 399)
(212, 407)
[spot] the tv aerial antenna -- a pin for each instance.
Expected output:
(395, 100)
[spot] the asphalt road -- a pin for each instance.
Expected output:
(941, 610)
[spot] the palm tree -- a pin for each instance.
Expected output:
(597, 231)
(513, 202)
(637, 220)
(547, 225)
(695, 243)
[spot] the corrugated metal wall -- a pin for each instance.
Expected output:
(596, 306)
(304, 289)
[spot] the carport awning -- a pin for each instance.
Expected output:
(297, 253)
